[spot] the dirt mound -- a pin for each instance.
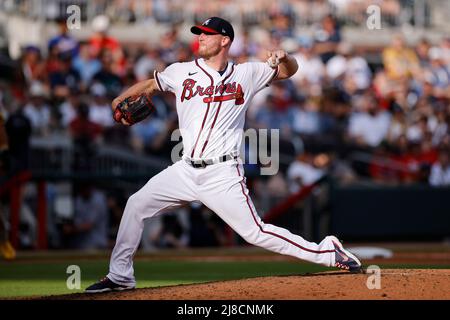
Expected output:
(395, 284)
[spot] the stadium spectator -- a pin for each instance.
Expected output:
(440, 171)
(37, 110)
(276, 187)
(85, 135)
(52, 62)
(151, 135)
(417, 130)
(309, 80)
(206, 229)
(171, 234)
(169, 46)
(86, 64)
(281, 26)
(107, 77)
(64, 43)
(82, 128)
(19, 130)
(428, 153)
(400, 61)
(398, 125)
(438, 73)
(422, 49)
(341, 170)
(67, 110)
(100, 111)
(370, 126)
(146, 64)
(101, 41)
(243, 46)
(327, 38)
(303, 172)
(445, 47)
(65, 78)
(89, 229)
(442, 127)
(274, 115)
(336, 66)
(148, 135)
(306, 118)
(349, 70)
(32, 65)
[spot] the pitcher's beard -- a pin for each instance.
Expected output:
(206, 54)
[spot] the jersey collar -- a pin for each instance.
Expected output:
(214, 73)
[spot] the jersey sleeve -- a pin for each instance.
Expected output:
(262, 75)
(166, 80)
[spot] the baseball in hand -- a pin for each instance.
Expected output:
(275, 58)
(273, 62)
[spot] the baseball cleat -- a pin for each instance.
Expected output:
(344, 259)
(106, 285)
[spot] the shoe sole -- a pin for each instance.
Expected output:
(98, 291)
(351, 255)
(108, 290)
(123, 289)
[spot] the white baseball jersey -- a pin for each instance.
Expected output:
(211, 107)
(211, 110)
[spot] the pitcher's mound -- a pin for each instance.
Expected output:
(393, 283)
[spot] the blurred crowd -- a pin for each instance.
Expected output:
(386, 122)
(257, 12)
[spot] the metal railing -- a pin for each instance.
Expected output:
(57, 154)
(56, 157)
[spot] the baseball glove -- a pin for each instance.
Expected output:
(133, 111)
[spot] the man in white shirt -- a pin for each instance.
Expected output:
(37, 110)
(99, 109)
(212, 96)
(369, 127)
(440, 171)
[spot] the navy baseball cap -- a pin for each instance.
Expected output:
(215, 25)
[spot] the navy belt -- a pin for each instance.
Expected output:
(207, 162)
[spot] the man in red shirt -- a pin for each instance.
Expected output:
(101, 41)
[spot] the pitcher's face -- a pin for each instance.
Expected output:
(210, 44)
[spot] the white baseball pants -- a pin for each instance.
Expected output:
(221, 187)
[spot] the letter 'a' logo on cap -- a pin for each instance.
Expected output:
(206, 22)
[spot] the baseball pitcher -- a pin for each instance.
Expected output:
(212, 97)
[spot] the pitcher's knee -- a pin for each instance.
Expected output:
(133, 200)
(134, 205)
(253, 236)
(142, 205)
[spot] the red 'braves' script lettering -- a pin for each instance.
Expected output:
(188, 84)
(191, 90)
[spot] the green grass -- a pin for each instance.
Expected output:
(44, 278)
(20, 279)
